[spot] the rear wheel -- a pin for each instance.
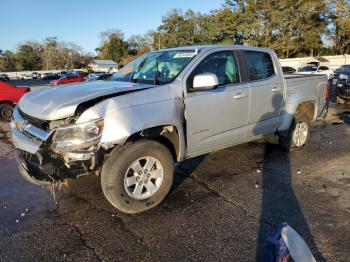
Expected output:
(298, 133)
(137, 176)
(6, 111)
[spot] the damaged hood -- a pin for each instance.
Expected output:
(60, 102)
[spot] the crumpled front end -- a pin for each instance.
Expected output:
(343, 88)
(41, 163)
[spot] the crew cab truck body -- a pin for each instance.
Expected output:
(163, 107)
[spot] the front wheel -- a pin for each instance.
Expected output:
(137, 176)
(298, 133)
(6, 111)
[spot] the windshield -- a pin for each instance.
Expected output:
(156, 67)
(92, 78)
(308, 69)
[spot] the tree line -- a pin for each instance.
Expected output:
(293, 28)
(50, 54)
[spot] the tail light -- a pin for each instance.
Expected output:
(328, 89)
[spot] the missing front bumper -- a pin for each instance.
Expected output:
(50, 170)
(31, 173)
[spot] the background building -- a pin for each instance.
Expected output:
(333, 62)
(103, 65)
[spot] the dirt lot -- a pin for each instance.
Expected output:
(221, 208)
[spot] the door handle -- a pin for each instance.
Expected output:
(240, 95)
(275, 89)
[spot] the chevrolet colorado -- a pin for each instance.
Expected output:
(162, 108)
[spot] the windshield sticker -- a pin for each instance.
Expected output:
(185, 55)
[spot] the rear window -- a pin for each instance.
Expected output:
(308, 69)
(260, 65)
(323, 68)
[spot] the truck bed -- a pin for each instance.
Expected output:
(311, 87)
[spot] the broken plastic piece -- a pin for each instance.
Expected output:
(297, 247)
(285, 243)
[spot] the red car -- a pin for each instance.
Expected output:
(67, 80)
(9, 96)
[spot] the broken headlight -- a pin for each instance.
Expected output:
(77, 137)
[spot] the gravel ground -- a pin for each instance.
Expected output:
(222, 206)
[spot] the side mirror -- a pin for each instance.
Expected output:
(205, 81)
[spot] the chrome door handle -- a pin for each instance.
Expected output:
(275, 89)
(240, 95)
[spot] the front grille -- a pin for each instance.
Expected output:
(43, 124)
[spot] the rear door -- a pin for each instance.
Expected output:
(266, 85)
(215, 118)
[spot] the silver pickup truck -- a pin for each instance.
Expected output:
(162, 108)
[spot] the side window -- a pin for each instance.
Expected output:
(222, 64)
(323, 68)
(260, 65)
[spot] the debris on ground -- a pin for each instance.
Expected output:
(298, 172)
(257, 184)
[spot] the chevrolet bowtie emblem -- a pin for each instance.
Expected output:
(21, 124)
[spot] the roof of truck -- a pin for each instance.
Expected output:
(201, 47)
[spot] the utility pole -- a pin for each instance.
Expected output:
(159, 41)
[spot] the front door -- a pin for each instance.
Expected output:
(215, 118)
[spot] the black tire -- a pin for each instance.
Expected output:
(286, 139)
(115, 168)
(6, 111)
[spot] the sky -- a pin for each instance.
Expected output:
(82, 21)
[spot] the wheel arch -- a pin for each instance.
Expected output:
(7, 102)
(307, 107)
(291, 109)
(168, 135)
